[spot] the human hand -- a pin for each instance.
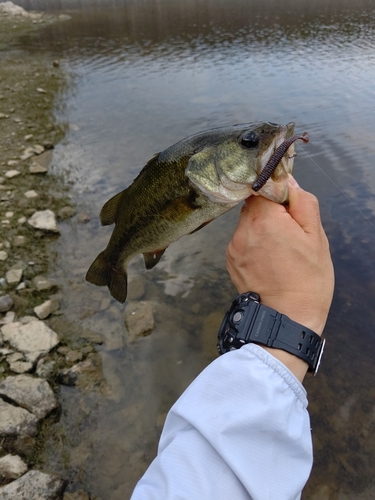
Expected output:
(282, 253)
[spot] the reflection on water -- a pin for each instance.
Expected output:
(147, 74)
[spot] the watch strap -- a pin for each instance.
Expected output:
(249, 321)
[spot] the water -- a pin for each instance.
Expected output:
(147, 74)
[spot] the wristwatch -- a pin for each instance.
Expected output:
(249, 321)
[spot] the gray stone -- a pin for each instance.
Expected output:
(48, 307)
(14, 356)
(13, 276)
(45, 220)
(136, 288)
(21, 366)
(87, 374)
(66, 212)
(34, 485)
(94, 337)
(12, 467)
(29, 392)
(19, 241)
(12, 173)
(16, 421)
(6, 303)
(8, 318)
(45, 369)
(40, 164)
(41, 283)
(139, 319)
(31, 194)
(35, 339)
(3, 255)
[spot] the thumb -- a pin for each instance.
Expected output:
(303, 207)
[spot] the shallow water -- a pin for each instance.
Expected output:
(147, 74)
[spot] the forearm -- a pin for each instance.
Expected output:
(241, 430)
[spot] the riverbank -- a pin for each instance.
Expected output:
(35, 357)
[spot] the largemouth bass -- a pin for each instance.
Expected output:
(185, 187)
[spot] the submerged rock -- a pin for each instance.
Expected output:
(32, 393)
(34, 485)
(139, 319)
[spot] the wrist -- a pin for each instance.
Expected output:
(308, 313)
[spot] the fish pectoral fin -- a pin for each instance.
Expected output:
(152, 258)
(109, 211)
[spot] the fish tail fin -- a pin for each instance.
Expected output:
(101, 273)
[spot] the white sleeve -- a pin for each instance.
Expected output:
(241, 430)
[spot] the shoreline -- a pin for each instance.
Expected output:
(34, 356)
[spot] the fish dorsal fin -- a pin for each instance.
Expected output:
(152, 258)
(109, 211)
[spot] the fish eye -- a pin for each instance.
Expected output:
(250, 139)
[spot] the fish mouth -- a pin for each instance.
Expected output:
(285, 132)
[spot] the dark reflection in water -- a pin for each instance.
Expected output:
(147, 74)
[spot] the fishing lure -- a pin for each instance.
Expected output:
(275, 160)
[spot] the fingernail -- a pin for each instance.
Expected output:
(293, 182)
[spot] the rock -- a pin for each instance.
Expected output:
(28, 137)
(3, 255)
(12, 467)
(74, 356)
(16, 421)
(13, 10)
(6, 303)
(41, 91)
(83, 218)
(12, 163)
(86, 374)
(44, 219)
(48, 307)
(14, 356)
(139, 319)
(29, 153)
(19, 241)
(21, 367)
(66, 212)
(13, 276)
(94, 337)
(33, 394)
(11, 173)
(136, 288)
(8, 318)
(34, 339)
(41, 284)
(36, 168)
(34, 485)
(31, 195)
(77, 495)
(45, 369)
(38, 149)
